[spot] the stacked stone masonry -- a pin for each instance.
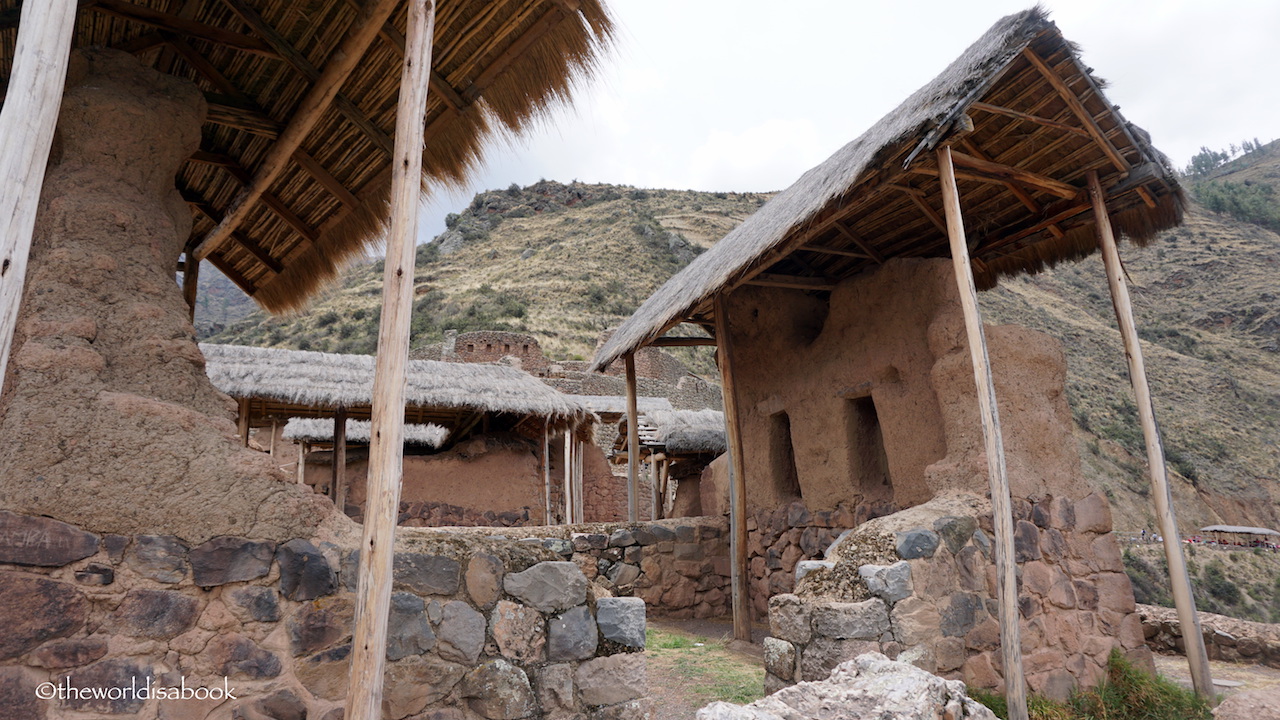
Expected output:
(925, 594)
(480, 629)
(1225, 638)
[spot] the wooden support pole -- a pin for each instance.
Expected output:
(242, 421)
(568, 477)
(302, 462)
(272, 451)
(546, 475)
(340, 459)
(190, 285)
(737, 478)
(386, 446)
(579, 502)
(633, 442)
(27, 120)
(341, 63)
(1001, 503)
(1183, 599)
(656, 506)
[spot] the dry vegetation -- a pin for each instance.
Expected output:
(1241, 583)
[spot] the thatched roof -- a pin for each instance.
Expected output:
(1239, 529)
(879, 197)
(617, 404)
(688, 432)
(299, 383)
(321, 430)
(497, 66)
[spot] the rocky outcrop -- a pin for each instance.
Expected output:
(870, 686)
(1225, 638)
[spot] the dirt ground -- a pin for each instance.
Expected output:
(676, 689)
(1228, 677)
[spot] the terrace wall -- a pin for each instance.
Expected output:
(484, 628)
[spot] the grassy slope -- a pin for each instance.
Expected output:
(562, 262)
(566, 262)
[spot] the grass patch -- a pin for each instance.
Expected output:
(1127, 694)
(709, 669)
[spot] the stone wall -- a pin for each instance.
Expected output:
(485, 628)
(920, 585)
(1225, 638)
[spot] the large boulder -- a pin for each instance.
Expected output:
(870, 686)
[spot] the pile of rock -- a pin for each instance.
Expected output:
(870, 686)
(498, 629)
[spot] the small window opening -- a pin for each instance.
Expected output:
(782, 458)
(868, 461)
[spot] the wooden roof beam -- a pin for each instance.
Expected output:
(862, 244)
(1078, 108)
(342, 62)
(673, 341)
(277, 205)
(226, 111)
(1023, 197)
(303, 65)
(917, 197)
(182, 26)
(1007, 112)
(841, 252)
(272, 265)
(440, 88)
(1003, 173)
(792, 282)
(541, 27)
(233, 275)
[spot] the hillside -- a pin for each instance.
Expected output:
(567, 261)
(564, 262)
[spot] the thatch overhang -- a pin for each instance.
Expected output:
(320, 430)
(676, 433)
(496, 66)
(1026, 121)
(458, 396)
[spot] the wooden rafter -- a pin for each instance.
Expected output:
(863, 245)
(242, 175)
(310, 109)
(1008, 112)
(182, 26)
(1023, 197)
(841, 252)
(792, 282)
(673, 341)
(1078, 108)
(272, 265)
(917, 197)
(233, 275)
(1008, 173)
(227, 112)
(304, 66)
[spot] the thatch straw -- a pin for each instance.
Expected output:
(330, 380)
(850, 174)
(688, 432)
(321, 430)
(506, 65)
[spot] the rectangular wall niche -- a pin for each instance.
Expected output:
(782, 458)
(868, 462)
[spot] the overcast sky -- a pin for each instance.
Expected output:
(746, 95)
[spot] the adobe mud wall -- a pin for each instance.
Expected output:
(485, 481)
(869, 399)
(112, 423)
(481, 628)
